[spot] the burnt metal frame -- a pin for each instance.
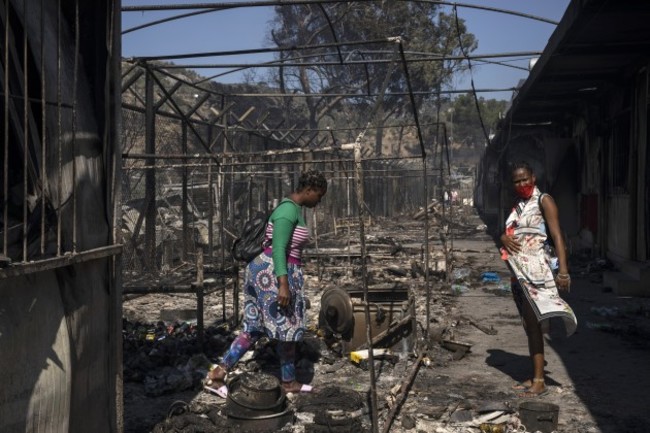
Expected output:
(199, 288)
(357, 151)
(35, 179)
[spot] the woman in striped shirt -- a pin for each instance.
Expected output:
(274, 303)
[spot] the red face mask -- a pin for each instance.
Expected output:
(525, 191)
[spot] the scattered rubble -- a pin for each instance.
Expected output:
(447, 394)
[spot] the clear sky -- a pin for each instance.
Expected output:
(246, 28)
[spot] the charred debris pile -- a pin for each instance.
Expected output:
(163, 358)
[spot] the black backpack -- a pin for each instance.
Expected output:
(250, 242)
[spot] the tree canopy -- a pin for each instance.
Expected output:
(464, 123)
(428, 35)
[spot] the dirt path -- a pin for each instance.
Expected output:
(598, 376)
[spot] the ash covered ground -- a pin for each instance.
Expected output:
(595, 377)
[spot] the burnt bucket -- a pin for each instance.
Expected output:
(539, 416)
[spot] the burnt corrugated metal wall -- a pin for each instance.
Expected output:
(60, 314)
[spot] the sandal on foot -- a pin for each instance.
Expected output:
(524, 385)
(222, 391)
(532, 394)
(304, 388)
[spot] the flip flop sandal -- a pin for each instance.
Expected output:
(521, 386)
(304, 389)
(222, 391)
(531, 394)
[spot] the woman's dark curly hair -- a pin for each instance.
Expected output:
(312, 179)
(521, 165)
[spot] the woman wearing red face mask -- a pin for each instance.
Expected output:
(535, 284)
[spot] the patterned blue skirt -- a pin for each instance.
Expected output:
(261, 311)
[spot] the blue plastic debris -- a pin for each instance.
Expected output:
(490, 277)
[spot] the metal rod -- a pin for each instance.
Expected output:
(43, 130)
(361, 53)
(364, 273)
(187, 83)
(450, 250)
(44, 141)
(150, 177)
(210, 212)
(128, 82)
(180, 112)
(243, 4)
(278, 162)
(259, 50)
(5, 162)
(358, 169)
(184, 199)
(32, 267)
(199, 297)
(257, 131)
(427, 281)
(25, 134)
(59, 126)
(443, 188)
(174, 288)
(369, 95)
(165, 20)
(331, 26)
(222, 232)
(222, 190)
(35, 100)
(128, 70)
(277, 64)
(412, 99)
(406, 385)
(75, 83)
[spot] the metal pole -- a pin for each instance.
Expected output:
(450, 250)
(185, 198)
(210, 207)
(443, 188)
(403, 394)
(59, 125)
(150, 177)
(358, 169)
(427, 282)
(243, 4)
(75, 83)
(222, 187)
(25, 134)
(5, 180)
(199, 297)
(44, 140)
